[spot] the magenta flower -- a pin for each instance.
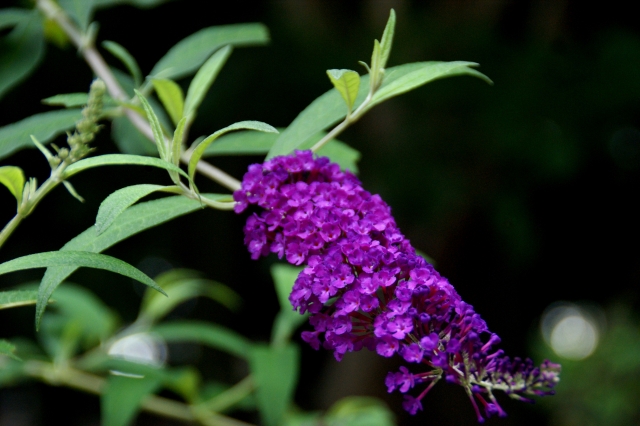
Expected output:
(365, 286)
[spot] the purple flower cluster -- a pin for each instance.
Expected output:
(365, 286)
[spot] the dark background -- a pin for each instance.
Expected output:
(521, 192)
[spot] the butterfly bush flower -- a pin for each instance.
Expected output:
(364, 285)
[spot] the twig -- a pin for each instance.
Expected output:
(90, 383)
(97, 63)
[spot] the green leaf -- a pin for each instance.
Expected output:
(199, 150)
(259, 143)
(171, 96)
(158, 135)
(360, 411)
(8, 349)
(132, 221)
(203, 80)
(182, 285)
(205, 333)
(129, 139)
(284, 276)
(122, 397)
(242, 142)
(190, 53)
(387, 39)
(407, 77)
(276, 373)
(16, 298)
(13, 178)
(347, 83)
(120, 160)
(79, 10)
(328, 109)
(339, 152)
(11, 17)
(126, 58)
(72, 191)
(119, 201)
(67, 100)
(95, 320)
(176, 143)
(77, 259)
(45, 127)
(323, 112)
(21, 51)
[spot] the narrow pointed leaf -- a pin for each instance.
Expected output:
(72, 191)
(45, 127)
(158, 135)
(375, 72)
(203, 80)
(122, 396)
(43, 149)
(387, 39)
(69, 100)
(126, 58)
(13, 178)
(205, 333)
(8, 349)
(119, 201)
(21, 51)
(120, 160)
(15, 298)
(328, 109)
(275, 370)
(132, 221)
(79, 10)
(347, 83)
(176, 142)
(190, 53)
(77, 259)
(199, 150)
(404, 78)
(171, 96)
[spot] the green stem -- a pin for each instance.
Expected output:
(99, 66)
(29, 204)
(348, 120)
(231, 396)
(77, 379)
(9, 228)
(97, 63)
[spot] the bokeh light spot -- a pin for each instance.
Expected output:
(571, 331)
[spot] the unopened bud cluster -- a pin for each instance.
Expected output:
(87, 127)
(365, 286)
